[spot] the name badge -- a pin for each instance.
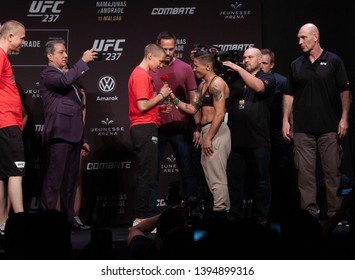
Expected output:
(241, 104)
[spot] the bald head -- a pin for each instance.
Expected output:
(310, 29)
(12, 36)
(252, 60)
(11, 26)
(252, 51)
(308, 39)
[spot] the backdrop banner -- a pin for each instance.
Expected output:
(119, 30)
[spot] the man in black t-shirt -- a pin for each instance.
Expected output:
(318, 97)
(249, 123)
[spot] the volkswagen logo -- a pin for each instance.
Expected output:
(106, 84)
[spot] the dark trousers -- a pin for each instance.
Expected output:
(249, 180)
(62, 176)
(145, 143)
(285, 195)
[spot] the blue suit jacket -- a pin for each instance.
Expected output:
(62, 108)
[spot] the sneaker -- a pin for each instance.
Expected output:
(343, 223)
(78, 224)
(138, 220)
(2, 229)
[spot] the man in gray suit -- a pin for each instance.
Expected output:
(63, 131)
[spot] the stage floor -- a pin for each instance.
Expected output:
(111, 243)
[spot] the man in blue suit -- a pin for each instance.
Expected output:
(63, 131)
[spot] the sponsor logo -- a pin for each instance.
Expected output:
(20, 165)
(108, 165)
(107, 98)
(161, 202)
(49, 11)
(111, 49)
(234, 47)
(170, 166)
(33, 92)
(174, 11)
(38, 127)
(107, 84)
(171, 159)
(107, 129)
(107, 121)
(154, 139)
(236, 12)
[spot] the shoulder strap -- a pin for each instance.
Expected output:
(211, 82)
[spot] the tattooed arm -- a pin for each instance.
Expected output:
(192, 107)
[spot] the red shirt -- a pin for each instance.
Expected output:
(140, 86)
(10, 101)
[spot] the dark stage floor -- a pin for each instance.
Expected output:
(100, 240)
(111, 243)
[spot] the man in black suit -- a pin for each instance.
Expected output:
(63, 131)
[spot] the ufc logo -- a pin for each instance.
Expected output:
(105, 44)
(38, 127)
(43, 6)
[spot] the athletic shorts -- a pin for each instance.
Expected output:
(12, 152)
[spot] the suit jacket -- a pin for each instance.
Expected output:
(63, 110)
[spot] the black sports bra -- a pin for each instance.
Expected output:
(207, 98)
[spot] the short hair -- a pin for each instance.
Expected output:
(166, 35)
(205, 56)
(154, 49)
(10, 26)
(49, 48)
(270, 53)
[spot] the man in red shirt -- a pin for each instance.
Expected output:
(12, 154)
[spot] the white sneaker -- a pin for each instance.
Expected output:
(2, 229)
(77, 219)
(79, 224)
(343, 223)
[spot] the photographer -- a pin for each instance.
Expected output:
(249, 123)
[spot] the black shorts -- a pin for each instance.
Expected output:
(12, 152)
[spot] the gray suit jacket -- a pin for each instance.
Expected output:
(62, 108)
